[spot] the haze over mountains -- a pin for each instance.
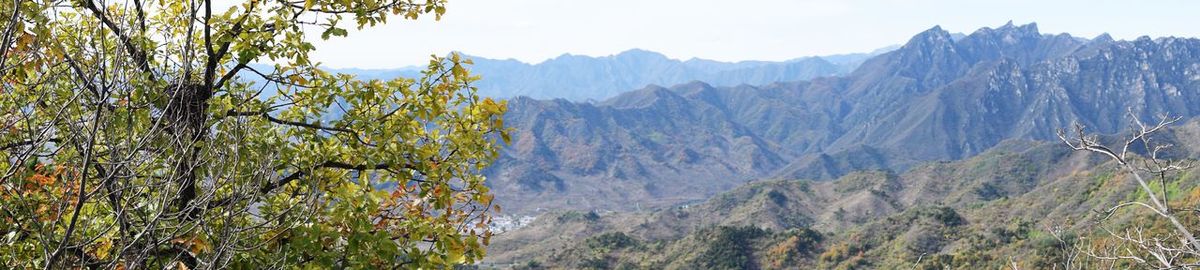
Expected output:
(584, 78)
(938, 97)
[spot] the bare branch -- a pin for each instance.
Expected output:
(1142, 133)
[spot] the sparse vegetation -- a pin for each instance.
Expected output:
(950, 227)
(589, 216)
(610, 241)
(728, 247)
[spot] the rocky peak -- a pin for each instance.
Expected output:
(931, 58)
(933, 38)
(1027, 29)
(1007, 34)
(1023, 44)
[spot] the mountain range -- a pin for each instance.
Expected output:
(937, 97)
(586, 78)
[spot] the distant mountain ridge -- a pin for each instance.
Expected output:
(583, 78)
(938, 97)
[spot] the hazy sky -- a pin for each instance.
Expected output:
(730, 30)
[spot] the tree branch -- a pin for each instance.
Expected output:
(271, 186)
(1090, 143)
(316, 126)
(139, 57)
(11, 145)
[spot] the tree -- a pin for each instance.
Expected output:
(1175, 250)
(134, 136)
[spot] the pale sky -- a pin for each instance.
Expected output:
(730, 30)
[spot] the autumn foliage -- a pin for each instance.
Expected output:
(192, 134)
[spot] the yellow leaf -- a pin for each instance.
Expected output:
(454, 255)
(103, 248)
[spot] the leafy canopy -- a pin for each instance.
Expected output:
(138, 134)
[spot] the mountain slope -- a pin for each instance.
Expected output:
(935, 98)
(580, 154)
(974, 213)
